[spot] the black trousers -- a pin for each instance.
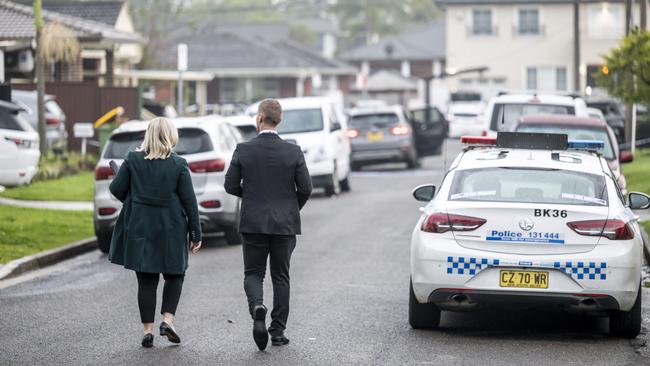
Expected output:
(257, 249)
(147, 286)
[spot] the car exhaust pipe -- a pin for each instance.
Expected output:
(459, 298)
(588, 302)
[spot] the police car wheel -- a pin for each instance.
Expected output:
(627, 324)
(345, 184)
(104, 242)
(422, 316)
(232, 236)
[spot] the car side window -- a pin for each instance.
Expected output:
(225, 139)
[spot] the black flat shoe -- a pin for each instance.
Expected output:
(147, 340)
(260, 335)
(166, 330)
(280, 340)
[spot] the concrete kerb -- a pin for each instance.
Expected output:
(46, 258)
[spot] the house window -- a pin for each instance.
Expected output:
(605, 20)
(228, 90)
(482, 22)
(271, 88)
(546, 78)
(528, 22)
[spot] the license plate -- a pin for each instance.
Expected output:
(523, 279)
(375, 136)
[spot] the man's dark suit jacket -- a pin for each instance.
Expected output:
(271, 177)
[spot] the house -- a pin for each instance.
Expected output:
(535, 45)
(116, 49)
(244, 63)
(112, 13)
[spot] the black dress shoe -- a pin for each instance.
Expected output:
(166, 330)
(147, 340)
(260, 335)
(280, 340)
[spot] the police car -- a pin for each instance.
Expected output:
(528, 220)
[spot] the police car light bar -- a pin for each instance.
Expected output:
(586, 144)
(478, 140)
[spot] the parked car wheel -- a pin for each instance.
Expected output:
(345, 184)
(627, 324)
(422, 316)
(232, 236)
(104, 242)
(334, 188)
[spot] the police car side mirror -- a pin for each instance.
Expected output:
(638, 201)
(424, 193)
(335, 126)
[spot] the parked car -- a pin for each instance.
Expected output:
(54, 116)
(578, 128)
(314, 124)
(429, 135)
(504, 111)
(206, 144)
(464, 119)
(379, 135)
(613, 113)
(19, 151)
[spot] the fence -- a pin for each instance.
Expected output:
(86, 102)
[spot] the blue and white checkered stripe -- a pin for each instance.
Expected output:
(583, 270)
(470, 266)
(578, 270)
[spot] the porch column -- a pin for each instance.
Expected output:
(110, 67)
(201, 96)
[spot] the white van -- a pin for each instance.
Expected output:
(504, 111)
(314, 124)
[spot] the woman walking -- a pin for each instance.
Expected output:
(151, 233)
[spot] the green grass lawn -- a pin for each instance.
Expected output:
(77, 187)
(26, 231)
(637, 172)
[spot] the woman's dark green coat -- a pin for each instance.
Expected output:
(151, 233)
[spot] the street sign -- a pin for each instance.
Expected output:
(83, 130)
(182, 57)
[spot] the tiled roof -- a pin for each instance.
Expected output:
(423, 43)
(17, 22)
(508, 2)
(105, 11)
(212, 48)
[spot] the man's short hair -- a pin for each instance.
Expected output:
(271, 110)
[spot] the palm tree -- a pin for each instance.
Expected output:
(54, 43)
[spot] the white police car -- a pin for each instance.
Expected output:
(528, 220)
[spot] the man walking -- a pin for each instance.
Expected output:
(271, 177)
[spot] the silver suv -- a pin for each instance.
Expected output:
(54, 116)
(207, 143)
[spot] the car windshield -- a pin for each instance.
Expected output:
(576, 133)
(190, 141)
(528, 185)
(368, 121)
(506, 116)
(301, 120)
(12, 120)
(247, 131)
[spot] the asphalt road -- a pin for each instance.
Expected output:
(350, 274)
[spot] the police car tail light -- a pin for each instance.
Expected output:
(478, 140)
(610, 229)
(208, 166)
(442, 222)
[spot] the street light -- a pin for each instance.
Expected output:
(446, 73)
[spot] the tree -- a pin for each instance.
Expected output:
(626, 73)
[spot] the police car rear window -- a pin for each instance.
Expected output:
(190, 141)
(528, 185)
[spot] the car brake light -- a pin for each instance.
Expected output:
(52, 121)
(399, 130)
(103, 173)
(352, 133)
(105, 211)
(211, 204)
(478, 140)
(208, 166)
(442, 222)
(610, 229)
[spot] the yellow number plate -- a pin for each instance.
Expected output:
(524, 279)
(375, 136)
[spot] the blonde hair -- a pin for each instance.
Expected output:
(160, 139)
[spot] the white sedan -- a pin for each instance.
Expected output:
(522, 227)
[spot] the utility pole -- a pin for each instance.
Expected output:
(40, 78)
(576, 46)
(630, 109)
(643, 18)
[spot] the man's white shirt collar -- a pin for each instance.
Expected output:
(268, 131)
